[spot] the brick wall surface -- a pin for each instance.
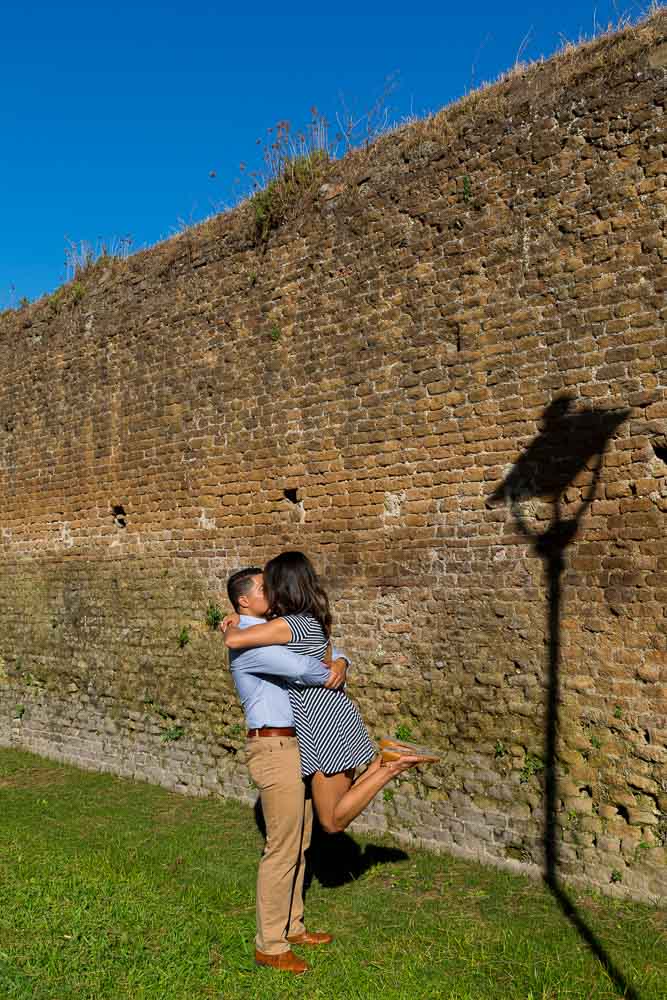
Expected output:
(392, 353)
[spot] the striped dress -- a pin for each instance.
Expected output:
(331, 733)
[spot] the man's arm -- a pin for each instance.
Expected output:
(277, 661)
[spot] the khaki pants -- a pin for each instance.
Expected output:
(275, 767)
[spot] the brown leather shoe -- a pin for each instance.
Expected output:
(311, 937)
(286, 961)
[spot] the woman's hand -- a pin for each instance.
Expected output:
(228, 620)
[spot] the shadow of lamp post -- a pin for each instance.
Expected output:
(570, 443)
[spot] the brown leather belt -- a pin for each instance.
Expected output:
(272, 731)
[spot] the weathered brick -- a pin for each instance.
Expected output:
(151, 433)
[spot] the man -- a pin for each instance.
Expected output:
(274, 765)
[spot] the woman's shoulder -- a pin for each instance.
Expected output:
(303, 616)
(302, 623)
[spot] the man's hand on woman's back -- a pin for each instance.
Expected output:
(337, 675)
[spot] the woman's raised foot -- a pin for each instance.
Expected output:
(399, 746)
(401, 761)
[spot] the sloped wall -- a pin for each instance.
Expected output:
(391, 354)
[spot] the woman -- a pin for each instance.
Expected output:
(332, 737)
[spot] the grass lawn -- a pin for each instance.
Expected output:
(111, 889)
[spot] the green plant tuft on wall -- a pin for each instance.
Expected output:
(532, 764)
(214, 616)
(172, 734)
(57, 300)
(235, 731)
(267, 215)
(184, 636)
(294, 177)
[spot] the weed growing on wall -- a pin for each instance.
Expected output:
(67, 295)
(184, 637)
(172, 734)
(81, 255)
(213, 616)
(533, 764)
(235, 731)
(293, 166)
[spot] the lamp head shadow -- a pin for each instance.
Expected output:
(568, 443)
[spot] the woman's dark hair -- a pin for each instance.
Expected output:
(292, 587)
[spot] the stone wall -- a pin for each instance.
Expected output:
(360, 386)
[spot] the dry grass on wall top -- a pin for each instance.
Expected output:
(312, 178)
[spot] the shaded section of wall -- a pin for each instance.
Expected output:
(389, 355)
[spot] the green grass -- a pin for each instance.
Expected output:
(111, 889)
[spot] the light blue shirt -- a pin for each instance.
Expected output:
(260, 674)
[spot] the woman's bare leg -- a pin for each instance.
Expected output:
(339, 799)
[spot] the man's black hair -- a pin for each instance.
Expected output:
(240, 583)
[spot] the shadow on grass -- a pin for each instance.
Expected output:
(570, 443)
(334, 859)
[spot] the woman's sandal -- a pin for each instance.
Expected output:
(395, 749)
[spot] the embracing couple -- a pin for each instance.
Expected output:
(306, 737)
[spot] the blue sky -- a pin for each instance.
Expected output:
(113, 116)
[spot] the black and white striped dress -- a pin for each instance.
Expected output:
(331, 733)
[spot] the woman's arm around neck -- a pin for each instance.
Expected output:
(274, 633)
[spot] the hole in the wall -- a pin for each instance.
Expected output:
(622, 811)
(660, 452)
(119, 515)
(291, 495)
